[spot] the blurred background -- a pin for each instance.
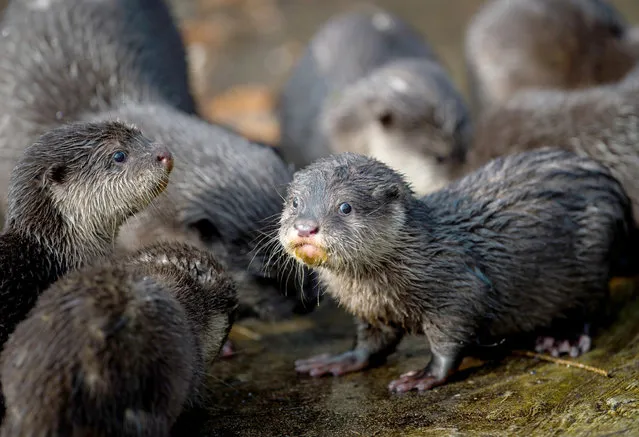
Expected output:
(242, 50)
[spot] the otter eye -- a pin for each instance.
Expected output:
(295, 202)
(119, 156)
(440, 159)
(345, 208)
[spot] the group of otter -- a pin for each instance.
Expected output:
(136, 232)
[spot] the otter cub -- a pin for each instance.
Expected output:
(118, 349)
(517, 44)
(68, 195)
(369, 83)
(526, 241)
(62, 59)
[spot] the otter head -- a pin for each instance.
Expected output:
(409, 116)
(344, 213)
(79, 182)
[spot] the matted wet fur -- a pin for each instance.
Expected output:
(226, 196)
(512, 45)
(526, 242)
(226, 190)
(60, 59)
(68, 195)
(120, 348)
(370, 83)
(600, 122)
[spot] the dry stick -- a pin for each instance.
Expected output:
(562, 362)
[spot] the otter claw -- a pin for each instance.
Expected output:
(336, 365)
(557, 347)
(416, 379)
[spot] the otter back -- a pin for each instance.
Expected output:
(600, 122)
(120, 348)
(224, 195)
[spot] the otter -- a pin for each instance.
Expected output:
(521, 246)
(599, 122)
(60, 59)
(513, 45)
(68, 195)
(119, 348)
(225, 196)
(369, 83)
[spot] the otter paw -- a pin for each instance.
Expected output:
(419, 380)
(227, 350)
(556, 347)
(336, 365)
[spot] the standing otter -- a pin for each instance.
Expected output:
(68, 195)
(118, 349)
(60, 59)
(369, 83)
(600, 122)
(518, 44)
(525, 242)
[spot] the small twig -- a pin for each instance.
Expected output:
(562, 362)
(246, 332)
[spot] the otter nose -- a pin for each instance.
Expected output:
(306, 228)
(165, 157)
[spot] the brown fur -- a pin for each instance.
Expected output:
(118, 349)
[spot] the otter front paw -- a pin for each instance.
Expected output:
(420, 380)
(336, 365)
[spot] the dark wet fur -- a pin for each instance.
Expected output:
(600, 122)
(225, 191)
(70, 172)
(118, 349)
(76, 57)
(525, 242)
(512, 45)
(342, 63)
(225, 195)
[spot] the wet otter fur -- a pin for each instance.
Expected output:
(68, 195)
(60, 59)
(225, 192)
(118, 349)
(369, 83)
(225, 196)
(526, 243)
(513, 45)
(599, 122)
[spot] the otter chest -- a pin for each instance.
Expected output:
(371, 300)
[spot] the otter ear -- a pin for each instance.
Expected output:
(387, 192)
(55, 174)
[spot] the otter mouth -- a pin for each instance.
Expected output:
(309, 252)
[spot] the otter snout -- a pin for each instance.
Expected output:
(306, 227)
(165, 158)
